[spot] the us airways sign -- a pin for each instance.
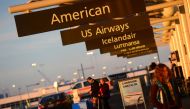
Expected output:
(104, 29)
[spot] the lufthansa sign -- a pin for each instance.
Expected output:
(77, 14)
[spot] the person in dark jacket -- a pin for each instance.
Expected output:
(94, 91)
(164, 94)
(104, 94)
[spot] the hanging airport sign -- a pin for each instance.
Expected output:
(139, 52)
(105, 29)
(80, 13)
(131, 49)
(126, 40)
(131, 92)
(135, 51)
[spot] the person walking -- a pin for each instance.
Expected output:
(94, 91)
(163, 92)
(104, 95)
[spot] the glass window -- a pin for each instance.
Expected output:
(86, 83)
(62, 96)
(77, 86)
(58, 96)
(50, 99)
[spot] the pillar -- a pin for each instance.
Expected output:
(182, 51)
(176, 42)
(185, 27)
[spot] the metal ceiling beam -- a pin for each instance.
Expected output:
(38, 4)
(46, 3)
(151, 18)
(164, 28)
(164, 5)
(158, 36)
(163, 20)
(154, 13)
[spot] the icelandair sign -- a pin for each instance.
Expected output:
(77, 14)
(130, 39)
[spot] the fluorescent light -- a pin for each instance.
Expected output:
(13, 86)
(75, 73)
(34, 64)
(104, 67)
(42, 80)
(90, 53)
(129, 62)
(59, 76)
